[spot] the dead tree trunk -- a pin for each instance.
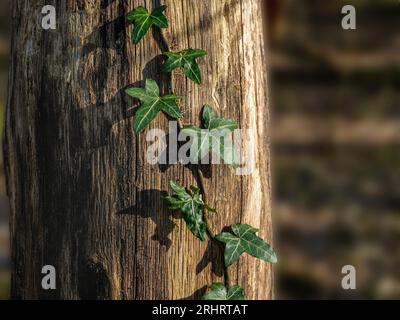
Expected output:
(82, 195)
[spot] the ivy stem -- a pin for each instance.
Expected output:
(199, 174)
(210, 233)
(200, 181)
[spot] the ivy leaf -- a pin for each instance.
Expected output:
(214, 136)
(244, 239)
(143, 20)
(186, 60)
(152, 104)
(217, 291)
(191, 205)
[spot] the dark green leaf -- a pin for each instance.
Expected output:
(217, 291)
(170, 107)
(208, 114)
(191, 205)
(186, 60)
(235, 293)
(137, 14)
(152, 104)
(244, 239)
(192, 71)
(214, 136)
(159, 19)
(143, 21)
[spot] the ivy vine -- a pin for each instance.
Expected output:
(241, 238)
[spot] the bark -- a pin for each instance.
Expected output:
(82, 195)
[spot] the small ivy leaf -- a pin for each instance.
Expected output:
(244, 239)
(214, 136)
(217, 291)
(170, 107)
(179, 190)
(235, 293)
(143, 21)
(186, 60)
(201, 143)
(159, 19)
(136, 14)
(208, 115)
(191, 205)
(152, 104)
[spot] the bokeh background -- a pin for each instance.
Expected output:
(336, 157)
(336, 104)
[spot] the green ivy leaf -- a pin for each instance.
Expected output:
(217, 291)
(213, 137)
(152, 104)
(244, 239)
(186, 60)
(192, 206)
(143, 20)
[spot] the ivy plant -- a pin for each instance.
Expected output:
(218, 291)
(143, 20)
(192, 206)
(244, 239)
(186, 61)
(213, 136)
(152, 104)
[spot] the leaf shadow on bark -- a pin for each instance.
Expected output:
(105, 3)
(213, 256)
(196, 295)
(147, 206)
(94, 282)
(110, 35)
(93, 124)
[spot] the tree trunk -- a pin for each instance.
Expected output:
(83, 198)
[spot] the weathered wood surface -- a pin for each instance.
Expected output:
(82, 196)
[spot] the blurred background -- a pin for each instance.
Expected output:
(336, 156)
(336, 161)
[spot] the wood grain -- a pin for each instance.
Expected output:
(83, 197)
